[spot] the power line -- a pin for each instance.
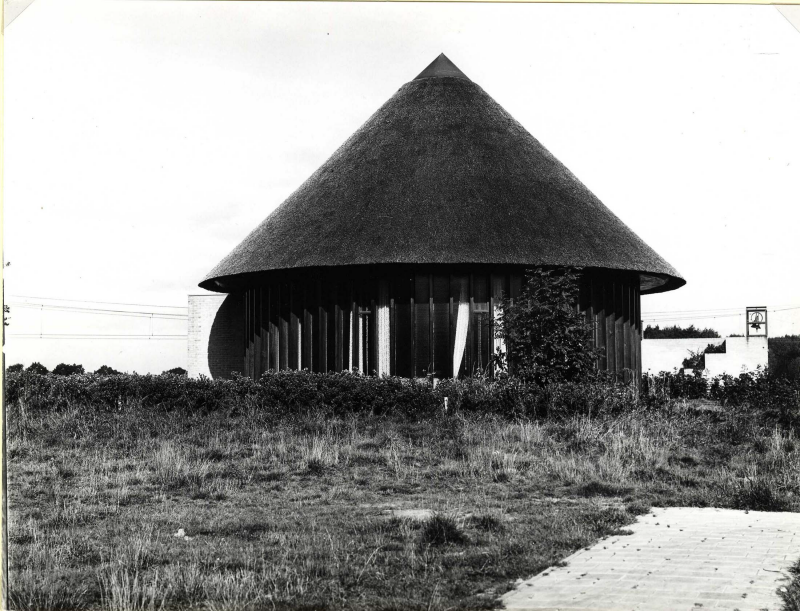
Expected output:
(144, 305)
(789, 306)
(678, 318)
(86, 310)
(693, 317)
(696, 311)
(90, 336)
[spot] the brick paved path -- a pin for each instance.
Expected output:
(677, 559)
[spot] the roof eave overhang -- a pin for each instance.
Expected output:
(650, 283)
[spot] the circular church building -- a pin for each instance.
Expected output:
(393, 256)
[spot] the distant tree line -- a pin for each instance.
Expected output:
(676, 332)
(784, 356)
(63, 369)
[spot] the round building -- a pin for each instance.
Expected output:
(392, 257)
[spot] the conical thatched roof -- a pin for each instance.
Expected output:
(442, 174)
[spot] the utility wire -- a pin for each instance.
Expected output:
(86, 310)
(89, 336)
(144, 305)
(722, 310)
(687, 317)
(718, 315)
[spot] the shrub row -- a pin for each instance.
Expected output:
(335, 393)
(343, 393)
(775, 396)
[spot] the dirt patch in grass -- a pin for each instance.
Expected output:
(143, 508)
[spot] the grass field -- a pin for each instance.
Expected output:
(147, 509)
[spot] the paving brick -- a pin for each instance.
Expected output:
(678, 559)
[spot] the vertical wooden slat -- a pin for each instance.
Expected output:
(598, 286)
(372, 324)
(588, 283)
(259, 332)
(392, 331)
(285, 303)
(432, 340)
(263, 314)
(293, 327)
(483, 340)
(274, 326)
(619, 334)
(252, 360)
(440, 301)
(355, 324)
(628, 331)
(246, 334)
(248, 371)
(307, 331)
(264, 329)
(515, 284)
(347, 328)
(322, 333)
(339, 338)
(469, 357)
(611, 349)
(413, 324)
(638, 304)
(330, 296)
(451, 330)
(267, 328)
(422, 316)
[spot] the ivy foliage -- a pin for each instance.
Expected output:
(547, 338)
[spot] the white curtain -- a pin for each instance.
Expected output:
(299, 345)
(462, 326)
(350, 363)
(382, 324)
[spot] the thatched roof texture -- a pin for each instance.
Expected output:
(442, 174)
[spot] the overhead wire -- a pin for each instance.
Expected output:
(99, 311)
(90, 336)
(143, 305)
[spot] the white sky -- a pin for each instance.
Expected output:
(144, 140)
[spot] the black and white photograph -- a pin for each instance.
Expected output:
(400, 306)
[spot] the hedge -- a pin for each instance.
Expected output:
(288, 392)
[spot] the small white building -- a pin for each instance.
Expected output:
(741, 354)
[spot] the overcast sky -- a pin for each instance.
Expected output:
(144, 140)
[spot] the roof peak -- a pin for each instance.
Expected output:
(439, 67)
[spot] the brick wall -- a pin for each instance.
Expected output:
(216, 335)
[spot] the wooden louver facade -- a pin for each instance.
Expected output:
(416, 321)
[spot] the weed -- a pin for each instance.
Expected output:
(759, 494)
(790, 594)
(442, 529)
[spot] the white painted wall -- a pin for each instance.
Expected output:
(202, 312)
(216, 329)
(668, 354)
(742, 354)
